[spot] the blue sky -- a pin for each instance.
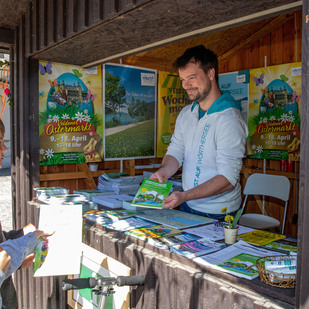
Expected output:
(131, 80)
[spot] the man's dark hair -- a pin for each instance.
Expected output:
(199, 54)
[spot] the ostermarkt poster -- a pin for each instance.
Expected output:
(171, 100)
(71, 114)
(274, 112)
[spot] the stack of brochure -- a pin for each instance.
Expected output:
(90, 193)
(194, 248)
(128, 224)
(112, 201)
(121, 185)
(66, 198)
(45, 193)
(119, 214)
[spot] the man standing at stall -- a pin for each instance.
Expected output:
(209, 141)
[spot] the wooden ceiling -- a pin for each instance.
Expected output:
(152, 33)
(225, 43)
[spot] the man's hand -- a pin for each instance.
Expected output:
(159, 176)
(174, 200)
(168, 168)
(5, 260)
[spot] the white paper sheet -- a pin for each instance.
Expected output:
(213, 232)
(64, 246)
(231, 251)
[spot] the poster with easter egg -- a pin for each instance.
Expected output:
(70, 114)
(274, 112)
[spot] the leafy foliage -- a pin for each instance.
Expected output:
(114, 93)
(137, 141)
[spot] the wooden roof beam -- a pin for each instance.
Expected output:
(280, 20)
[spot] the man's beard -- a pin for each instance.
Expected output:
(199, 97)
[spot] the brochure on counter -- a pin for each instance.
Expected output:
(232, 252)
(152, 231)
(112, 201)
(174, 218)
(260, 237)
(166, 242)
(128, 224)
(152, 193)
(214, 232)
(194, 248)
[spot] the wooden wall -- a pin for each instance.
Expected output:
(282, 45)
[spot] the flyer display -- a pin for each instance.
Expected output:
(70, 105)
(274, 112)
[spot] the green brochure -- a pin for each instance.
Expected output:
(152, 193)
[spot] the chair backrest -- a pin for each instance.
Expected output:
(269, 185)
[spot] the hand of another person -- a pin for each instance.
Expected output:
(174, 200)
(29, 228)
(5, 260)
(28, 261)
(39, 233)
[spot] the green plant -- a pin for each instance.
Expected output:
(231, 221)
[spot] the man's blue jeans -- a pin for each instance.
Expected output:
(185, 208)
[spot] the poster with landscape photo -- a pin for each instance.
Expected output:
(129, 112)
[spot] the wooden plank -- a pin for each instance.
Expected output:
(35, 25)
(6, 37)
(51, 26)
(276, 47)
(28, 30)
(84, 167)
(70, 13)
(60, 20)
(82, 14)
(274, 24)
(96, 11)
(43, 21)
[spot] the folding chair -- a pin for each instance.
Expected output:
(265, 185)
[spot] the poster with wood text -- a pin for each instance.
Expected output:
(129, 112)
(274, 112)
(171, 100)
(70, 114)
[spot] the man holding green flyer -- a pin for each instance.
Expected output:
(209, 141)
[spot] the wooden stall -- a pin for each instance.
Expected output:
(269, 42)
(244, 34)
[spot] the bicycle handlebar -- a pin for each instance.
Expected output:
(130, 280)
(86, 283)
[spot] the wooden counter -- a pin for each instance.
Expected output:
(173, 281)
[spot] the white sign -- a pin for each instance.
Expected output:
(64, 246)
